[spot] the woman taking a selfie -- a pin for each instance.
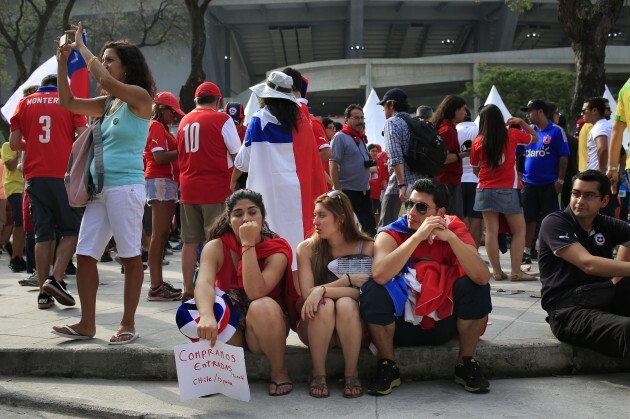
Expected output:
(123, 74)
(330, 313)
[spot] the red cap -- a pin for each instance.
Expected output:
(168, 99)
(206, 89)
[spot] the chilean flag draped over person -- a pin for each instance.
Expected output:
(284, 166)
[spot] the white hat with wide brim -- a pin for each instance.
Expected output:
(277, 85)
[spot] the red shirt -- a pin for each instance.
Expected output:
(159, 140)
(440, 251)
(241, 129)
(48, 130)
(505, 175)
(205, 140)
(451, 174)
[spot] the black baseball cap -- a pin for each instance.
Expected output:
(395, 94)
(535, 104)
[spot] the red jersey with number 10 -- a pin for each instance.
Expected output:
(48, 130)
(205, 140)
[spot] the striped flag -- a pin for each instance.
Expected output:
(78, 74)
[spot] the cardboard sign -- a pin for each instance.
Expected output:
(202, 370)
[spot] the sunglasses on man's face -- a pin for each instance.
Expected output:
(421, 207)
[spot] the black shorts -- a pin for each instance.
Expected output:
(539, 201)
(50, 209)
(15, 202)
(470, 302)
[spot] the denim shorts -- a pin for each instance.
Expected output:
(161, 189)
(505, 201)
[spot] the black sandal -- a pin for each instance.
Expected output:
(318, 383)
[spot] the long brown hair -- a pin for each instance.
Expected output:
(340, 207)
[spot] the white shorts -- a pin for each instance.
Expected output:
(116, 211)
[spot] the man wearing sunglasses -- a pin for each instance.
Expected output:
(584, 291)
(429, 284)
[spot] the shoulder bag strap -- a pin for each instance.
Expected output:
(97, 137)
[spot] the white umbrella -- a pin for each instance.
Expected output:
(374, 120)
(49, 67)
(494, 98)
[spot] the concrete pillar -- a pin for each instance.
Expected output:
(354, 37)
(506, 29)
(217, 49)
(476, 101)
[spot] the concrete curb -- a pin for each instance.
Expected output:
(510, 360)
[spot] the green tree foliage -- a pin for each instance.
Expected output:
(517, 86)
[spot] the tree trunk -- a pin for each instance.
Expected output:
(587, 26)
(44, 18)
(197, 76)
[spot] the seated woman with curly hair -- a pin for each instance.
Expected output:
(330, 313)
(253, 266)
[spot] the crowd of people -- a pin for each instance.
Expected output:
(279, 218)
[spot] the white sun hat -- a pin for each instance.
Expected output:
(277, 85)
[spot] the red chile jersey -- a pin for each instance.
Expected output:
(205, 140)
(48, 130)
(159, 139)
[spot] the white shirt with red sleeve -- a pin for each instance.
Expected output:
(206, 139)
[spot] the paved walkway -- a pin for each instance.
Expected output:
(517, 342)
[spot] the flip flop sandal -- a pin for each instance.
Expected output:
(351, 385)
(318, 383)
(275, 388)
(73, 335)
(133, 335)
(501, 277)
(522, 277)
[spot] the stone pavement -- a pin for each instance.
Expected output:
(517, 343)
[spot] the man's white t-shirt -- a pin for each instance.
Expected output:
(603, 127)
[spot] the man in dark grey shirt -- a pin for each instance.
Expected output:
(350, 166)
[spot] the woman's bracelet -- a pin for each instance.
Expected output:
(349, 280)
(89, 64)
(246, 247)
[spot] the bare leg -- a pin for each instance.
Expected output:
(350, 332)
(320, 330)
(530, 230)
(383, 339)
(491, 219)
(18, 242)
(474, 226)
(134, 275)
(517, 226)
(87, 284)
(162, 214)
(42, 261)
(189, 261)
(469, 331)
(65, 250)
(266, 333)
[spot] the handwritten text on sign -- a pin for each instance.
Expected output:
(202, 370)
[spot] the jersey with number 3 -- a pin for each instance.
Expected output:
(48, 130)
(205, 140)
